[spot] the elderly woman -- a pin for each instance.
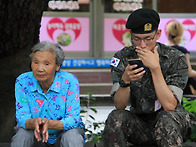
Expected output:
(47, 102)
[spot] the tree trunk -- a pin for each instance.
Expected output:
(19, 31)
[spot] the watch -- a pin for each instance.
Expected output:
(123, 84)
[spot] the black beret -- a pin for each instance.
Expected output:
(142, 21)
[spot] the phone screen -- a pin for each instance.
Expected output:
(136, 61)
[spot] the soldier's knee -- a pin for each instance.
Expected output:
(119, 114)
(165, 120)
(117, 117)
(167, 130)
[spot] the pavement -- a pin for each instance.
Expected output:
(99, 117)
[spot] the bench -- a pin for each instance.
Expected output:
(190, 96)
(93, 75)
(95, 81)
(91, 144)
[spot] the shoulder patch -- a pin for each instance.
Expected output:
(114, 62)
(182, 64)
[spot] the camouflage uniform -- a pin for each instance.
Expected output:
(143, 124)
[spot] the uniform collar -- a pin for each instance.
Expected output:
(162, 51)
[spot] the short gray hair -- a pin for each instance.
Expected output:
(52, 47)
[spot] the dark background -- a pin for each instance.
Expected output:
(19, 31)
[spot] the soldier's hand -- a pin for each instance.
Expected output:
(132, 73)
(149, 58)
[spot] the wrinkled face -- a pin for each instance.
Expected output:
(146, 41)
(44, 66)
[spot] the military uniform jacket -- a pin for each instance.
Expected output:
(143, 97)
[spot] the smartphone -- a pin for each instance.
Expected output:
(136, 61)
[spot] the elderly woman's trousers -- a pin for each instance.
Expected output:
(70, 138)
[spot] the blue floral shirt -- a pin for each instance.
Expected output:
(61, 102)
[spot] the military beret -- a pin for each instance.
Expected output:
(142, 21)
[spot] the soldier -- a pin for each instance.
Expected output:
(154, 91)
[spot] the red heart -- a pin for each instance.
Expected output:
(189, 25)
(119, 29)
(57, 24)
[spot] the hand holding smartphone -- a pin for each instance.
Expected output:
(138, 62)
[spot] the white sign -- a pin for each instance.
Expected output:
(127, 5)
(63, 5)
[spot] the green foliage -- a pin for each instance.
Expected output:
(191, 107)
(90, 125)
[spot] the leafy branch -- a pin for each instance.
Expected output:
(90, 123)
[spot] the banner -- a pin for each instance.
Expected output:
(189, 36)
(86, 63)
(72, 34)
(116, 36)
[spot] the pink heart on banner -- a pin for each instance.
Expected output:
(189, 25)
(119, 29)
(57, 24)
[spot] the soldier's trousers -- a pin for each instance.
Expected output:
(164, 128)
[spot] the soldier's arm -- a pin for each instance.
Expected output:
(175, 81)
(122, 95)
(164, 94)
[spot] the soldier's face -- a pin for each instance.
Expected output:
(146, 41)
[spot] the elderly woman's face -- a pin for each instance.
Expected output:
(44, 66)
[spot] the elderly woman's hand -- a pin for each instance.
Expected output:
(45, 124)
(38, 128)
(41, 127)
